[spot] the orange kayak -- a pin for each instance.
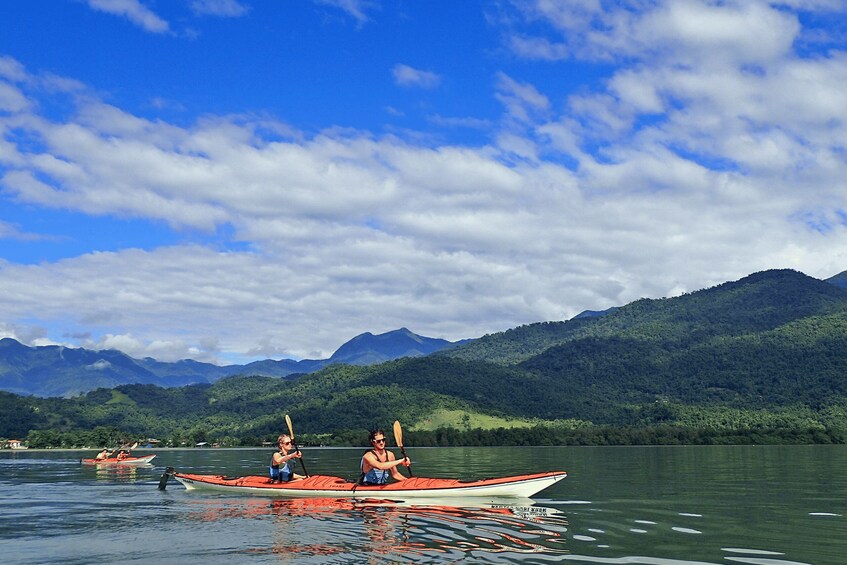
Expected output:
(520, 486)
(116, 461)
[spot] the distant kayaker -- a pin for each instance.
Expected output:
(102, 455)
(378, 462)
(281, 470)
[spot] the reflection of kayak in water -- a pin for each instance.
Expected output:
(116, 461)
(520, 486)
(437, 530)
(431, 506)
(526, 508)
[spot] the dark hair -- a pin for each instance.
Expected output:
(373, 434)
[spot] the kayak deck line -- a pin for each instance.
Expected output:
(521, 486)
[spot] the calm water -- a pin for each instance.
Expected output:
(657, 505)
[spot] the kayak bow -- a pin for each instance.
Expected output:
(521, 486)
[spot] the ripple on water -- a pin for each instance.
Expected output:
(685, 530)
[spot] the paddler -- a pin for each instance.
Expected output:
(378, 463)
(281, 470)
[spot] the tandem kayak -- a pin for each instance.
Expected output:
(520, 486)
(116, 461)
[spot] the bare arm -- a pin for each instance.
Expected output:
(279, 458)
(391, 465)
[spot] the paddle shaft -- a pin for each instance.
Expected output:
(294, 443)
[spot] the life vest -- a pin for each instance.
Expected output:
(282, 473)
(374, 476)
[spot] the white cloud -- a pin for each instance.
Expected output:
(11, 231)
(161, 350)
(12, 99)
(679, 171)
(220, 8)
(12, 69)
(99, 365)
(134, 11)
(404, 75)
(523, 102)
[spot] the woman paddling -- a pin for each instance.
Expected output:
(281, 470)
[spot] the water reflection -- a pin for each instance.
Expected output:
(120, 473)
(393, 529)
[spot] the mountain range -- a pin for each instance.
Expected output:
(763, 356)
(62, 371)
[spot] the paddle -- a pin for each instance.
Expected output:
(124, 446)
(398, 439)
(163, 482)
(294, 443)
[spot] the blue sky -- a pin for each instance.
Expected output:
(229, 180)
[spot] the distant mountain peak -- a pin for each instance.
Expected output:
(367, 348)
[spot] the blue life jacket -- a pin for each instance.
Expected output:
(284, 473)
(374, 476)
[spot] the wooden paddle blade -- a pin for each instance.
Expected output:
(398, 439)
(290, 427)
(398, 433)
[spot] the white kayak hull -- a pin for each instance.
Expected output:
(523, 486)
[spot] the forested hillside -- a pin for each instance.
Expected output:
(760, 302)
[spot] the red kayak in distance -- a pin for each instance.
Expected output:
(520, 486)
(116, 461)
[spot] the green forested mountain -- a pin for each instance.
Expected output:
(764, 357)
(760, 302)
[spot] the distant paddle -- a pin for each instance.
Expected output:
(398, 439)
(294, 443)
(126, 446)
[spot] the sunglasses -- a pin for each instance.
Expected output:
(380, 440)
(285, 443)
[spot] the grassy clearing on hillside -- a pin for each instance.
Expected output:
(119, 398)
(464, 420)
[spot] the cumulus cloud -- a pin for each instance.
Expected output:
(702, 156)
(134, 11)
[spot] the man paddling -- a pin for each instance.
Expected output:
(378, 462)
